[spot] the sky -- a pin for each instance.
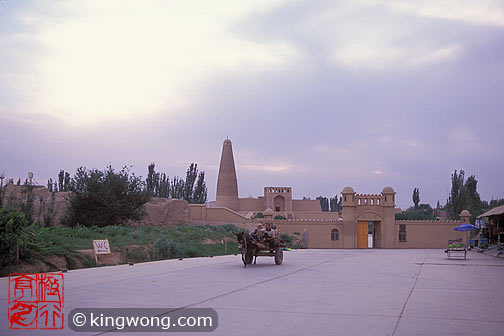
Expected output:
(316, 95)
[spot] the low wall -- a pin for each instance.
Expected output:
(200, 213)
(428, 234)
(251, 204)
(318, 231)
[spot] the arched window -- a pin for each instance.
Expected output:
(334, 234)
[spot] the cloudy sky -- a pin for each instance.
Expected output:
(315, 95)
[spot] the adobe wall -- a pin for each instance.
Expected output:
(318, 231)
(316, 215)
(164, 212)
(306, 205)
(251, 204)
(198, 212)
(159, 211)
(428, 234)
(42, 201)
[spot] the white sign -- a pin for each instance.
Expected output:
(101, 246)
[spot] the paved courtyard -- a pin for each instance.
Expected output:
(315, 292)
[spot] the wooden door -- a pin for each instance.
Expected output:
(362, 234)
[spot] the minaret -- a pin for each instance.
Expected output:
(227, 185)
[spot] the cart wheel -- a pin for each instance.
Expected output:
(278, 255)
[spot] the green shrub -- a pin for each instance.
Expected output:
(104, 198)
(169, 249)
(286, 238)
(137, 255)
(15, 237)
(258, 215)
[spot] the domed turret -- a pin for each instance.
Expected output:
(348, 190)
(348, 195)
(388, 190)
(465, 217)
(465, 213)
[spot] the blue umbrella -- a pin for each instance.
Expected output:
(465, 227)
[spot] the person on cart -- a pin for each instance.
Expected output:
(269, 236)
(257, 233)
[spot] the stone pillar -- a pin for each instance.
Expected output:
(388, 232)
(348, 215)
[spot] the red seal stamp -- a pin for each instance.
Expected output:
(36, 300)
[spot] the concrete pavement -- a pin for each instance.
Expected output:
(315, 292)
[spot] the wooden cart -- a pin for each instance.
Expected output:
(250, 249)
(456, 249)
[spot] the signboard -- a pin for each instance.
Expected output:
(101, 246)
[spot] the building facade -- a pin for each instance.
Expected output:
(366, 220)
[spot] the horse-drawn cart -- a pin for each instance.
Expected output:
(251, 248)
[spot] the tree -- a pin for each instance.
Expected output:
(457, 200)
(26, 201)
(333, 204)
(150, 180)
(473, 197)
(200, 191)
(421, 212)
(324, 203)
(191, 175)
(464, 195)
(416, 197)
(101, 198)
(61, 180)
(177, 188)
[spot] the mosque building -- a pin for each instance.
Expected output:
(366, 220)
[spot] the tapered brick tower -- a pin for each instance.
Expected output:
(227, 184)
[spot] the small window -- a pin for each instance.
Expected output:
(334, 234)
(402, 232)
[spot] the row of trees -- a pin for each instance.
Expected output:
(463, 195)
(63, 183)
(193, 189)
(331, 204)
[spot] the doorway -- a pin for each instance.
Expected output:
(279, 203)
(367, 234)
(362, 234)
